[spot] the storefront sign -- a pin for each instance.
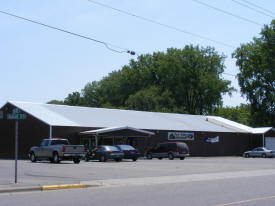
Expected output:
(181, 136)
(212, 140)
(16, 115)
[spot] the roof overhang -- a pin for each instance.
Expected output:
(114, 129)
(262, 130)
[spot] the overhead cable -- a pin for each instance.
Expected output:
(107, 45)
(259, 7)
(251, 8)
(228, 13)
(161, 24)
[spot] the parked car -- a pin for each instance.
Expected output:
(260, 152)
(168, 149)
(103, 153)
(129, 152)
(56, 150)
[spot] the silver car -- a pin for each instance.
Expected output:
(260, 152)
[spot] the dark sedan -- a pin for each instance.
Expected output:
(129, 152)
(105, 152)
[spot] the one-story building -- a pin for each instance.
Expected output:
(205, 135)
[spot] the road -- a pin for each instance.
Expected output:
(217, 181)
(252, 191)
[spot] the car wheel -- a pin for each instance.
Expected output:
(55, 158)
(32, 157)
(246, 155)
(170, 156)
(149, 156)
(102, 158)
(76, 160)
(134, 159)
(263, 155)
(182, 158)
(118, 159)
(160, 158)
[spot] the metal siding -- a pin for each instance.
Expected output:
(270, 143)
(31, 131)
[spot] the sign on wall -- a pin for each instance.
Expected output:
(181, 136)
(212, 140)
(16, 115)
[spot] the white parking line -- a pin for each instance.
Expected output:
(246, 201)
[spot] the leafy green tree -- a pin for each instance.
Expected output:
(56, 102)
(151, 100)
(91, 95)
(75, 99)
(184, 80)
(239, 114)
(256, 61)
(191, 76)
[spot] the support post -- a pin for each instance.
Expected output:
(16, 151)
(96, 140)
(263, 141)
(51, 132)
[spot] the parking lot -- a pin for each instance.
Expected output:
(45, 173)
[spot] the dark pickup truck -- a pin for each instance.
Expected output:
(56, 150)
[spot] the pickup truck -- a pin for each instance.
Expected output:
(56, 150)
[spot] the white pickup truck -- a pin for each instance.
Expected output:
(56, 150)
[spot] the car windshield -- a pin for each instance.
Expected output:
(126, 147)
(111, 148)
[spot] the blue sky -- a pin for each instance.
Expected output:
(38, 64)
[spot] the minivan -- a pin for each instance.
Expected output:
(168, 149)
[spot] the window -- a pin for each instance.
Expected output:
(45, 142)
(126, 147)
(111, 148)
(59, 142)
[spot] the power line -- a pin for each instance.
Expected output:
(263, 9)
(228, 13)
(107, 45)
(251, 8)
(161, 24)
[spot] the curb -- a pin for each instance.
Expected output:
(21, 189)
(60, 187)
(46, 187)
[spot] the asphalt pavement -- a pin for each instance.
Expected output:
(46, 176)
(237, 191)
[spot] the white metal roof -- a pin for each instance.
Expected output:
(262, 130)
(226, 123)
(112, 129)
(62, 115)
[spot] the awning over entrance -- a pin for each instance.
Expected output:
(115, 129)
(117, 133)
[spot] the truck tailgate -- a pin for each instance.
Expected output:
(73, 149)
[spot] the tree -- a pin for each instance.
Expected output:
(56, 102)
(190, 75)
(239, 114)
(75, 99)
(256, 61)
(184, 80)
